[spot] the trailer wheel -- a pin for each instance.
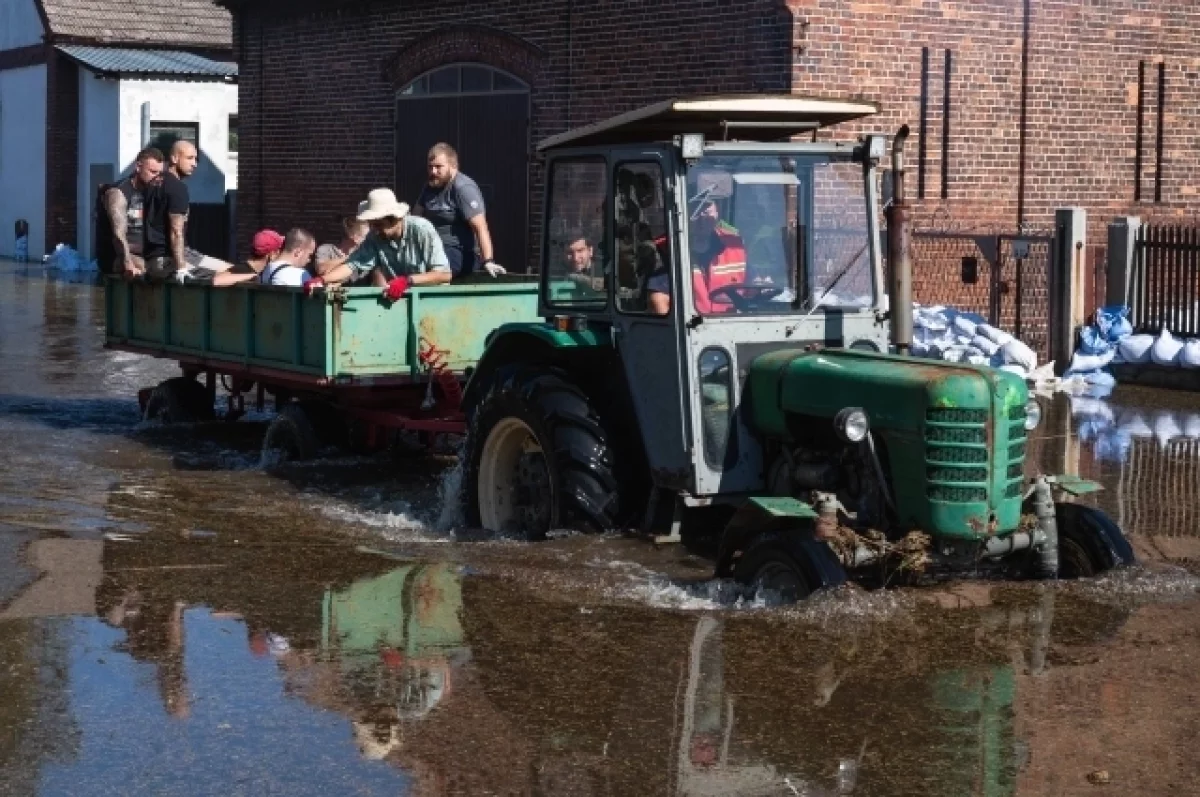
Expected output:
(537, 458)
(179, 400)
(1089, 542)
(291, 435)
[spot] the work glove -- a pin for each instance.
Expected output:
(494, 269)
(312, 284)
(396, 289)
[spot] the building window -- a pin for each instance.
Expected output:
(163, 135)
(458, 79)
(233, 134)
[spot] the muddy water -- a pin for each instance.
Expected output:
(176, 619)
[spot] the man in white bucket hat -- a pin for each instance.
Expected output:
(400, 251)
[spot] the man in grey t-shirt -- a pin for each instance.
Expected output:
(454, 204)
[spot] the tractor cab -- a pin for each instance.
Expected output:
(696, 236)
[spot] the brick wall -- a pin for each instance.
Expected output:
(317, 101)
(62, 149)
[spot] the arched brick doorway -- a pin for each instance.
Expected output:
(483, 113)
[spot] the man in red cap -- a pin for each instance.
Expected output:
(267, 244)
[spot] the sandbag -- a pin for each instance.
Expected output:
(1092, 341)
(1016, 369)
(1189, 355)
(1165, 350)
(1136, 348)
(1017, 353)
(997, 336)
(1113, 323)
(965, 326)
(984, 345)
(1084, 363)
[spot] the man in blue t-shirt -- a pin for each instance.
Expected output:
(454, 204)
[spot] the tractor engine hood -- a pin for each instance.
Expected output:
(897, 393)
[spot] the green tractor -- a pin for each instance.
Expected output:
(717, 335)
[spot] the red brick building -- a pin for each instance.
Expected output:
(1025, 106)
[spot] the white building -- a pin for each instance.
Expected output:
(84, 84)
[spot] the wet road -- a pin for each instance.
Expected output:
(176, 619)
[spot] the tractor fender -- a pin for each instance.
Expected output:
(789, 521)
(529, 343)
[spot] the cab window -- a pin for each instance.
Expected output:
(576, 267)
(640, 222)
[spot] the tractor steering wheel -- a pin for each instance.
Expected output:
(735, 293)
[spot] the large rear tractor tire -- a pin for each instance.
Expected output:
(291, 437)
(180, 400)
(1089, 542)
(538, 459)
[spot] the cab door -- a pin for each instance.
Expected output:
(646, 319)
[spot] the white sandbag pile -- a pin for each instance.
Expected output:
(64, 258)
(945, 333)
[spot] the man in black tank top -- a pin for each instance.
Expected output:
(122, 236)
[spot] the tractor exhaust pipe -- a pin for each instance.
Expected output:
(899, 224)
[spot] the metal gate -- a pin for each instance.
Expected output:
(484, 114)
(1165, 283)
(1004, 278)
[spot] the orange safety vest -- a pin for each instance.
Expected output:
(726, 266)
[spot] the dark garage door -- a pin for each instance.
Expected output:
(484, 114)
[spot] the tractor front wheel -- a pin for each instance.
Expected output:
(772, 573)
(538, 459)
(1089, 542)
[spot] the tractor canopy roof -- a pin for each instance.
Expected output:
(749, 117)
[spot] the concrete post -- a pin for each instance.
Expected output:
(1068, 303)
(1122, 244)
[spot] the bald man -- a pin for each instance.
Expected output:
(181, 264)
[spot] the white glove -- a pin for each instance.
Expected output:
(494, 269)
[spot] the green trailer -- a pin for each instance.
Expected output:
(339, 355)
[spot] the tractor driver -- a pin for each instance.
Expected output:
(718, 259)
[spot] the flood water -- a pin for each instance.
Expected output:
(177, 619)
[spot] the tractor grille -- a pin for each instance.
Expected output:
(956, 440)
(1016, 452)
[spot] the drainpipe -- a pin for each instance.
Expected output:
(899, 219)
(145, 124)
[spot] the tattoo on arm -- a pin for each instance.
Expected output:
(177, 243)
(116, 207)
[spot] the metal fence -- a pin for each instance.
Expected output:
(1164, 289)
(1004, 278)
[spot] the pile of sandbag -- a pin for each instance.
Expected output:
(944, 333)
(1165, 350)
(1099, 347)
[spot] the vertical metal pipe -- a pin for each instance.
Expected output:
(899, 217)
(1023, 133)
(1158, 156)
(145, 124)
(1139, 139)
(947, 76)
(923, 138)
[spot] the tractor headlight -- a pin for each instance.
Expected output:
(1033, 415)
(851, 424)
